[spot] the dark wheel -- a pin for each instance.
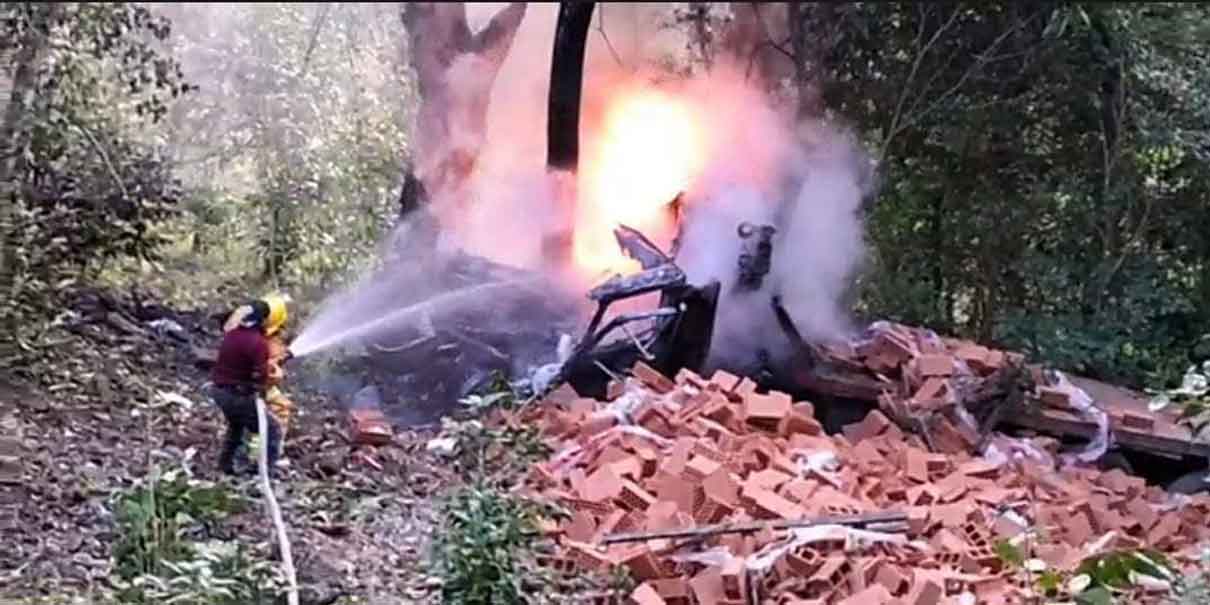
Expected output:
(1192, 483)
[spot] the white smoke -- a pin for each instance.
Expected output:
(806, 180)
(761, 167)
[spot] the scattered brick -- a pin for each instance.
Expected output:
(1077, 529)
(674, 591)
(635, 498)
(925, 592)
(766, 412)
(1054, 397)
(916, 465)
(1168, 525)
(646, 594)
(651, 378)
(935, 365)
(730, 455)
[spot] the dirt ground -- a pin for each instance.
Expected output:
(113, 397)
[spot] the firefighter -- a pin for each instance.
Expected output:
(250, 365)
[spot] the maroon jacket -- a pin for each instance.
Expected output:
(243, 359)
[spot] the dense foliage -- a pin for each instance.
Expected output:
(291, 149)
(80, 185)
(1042, 164)
(1043, 172)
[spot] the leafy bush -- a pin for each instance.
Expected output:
(484, 551)
(1099, 580)
(164, 553)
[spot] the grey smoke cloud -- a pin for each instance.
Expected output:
(762, 167)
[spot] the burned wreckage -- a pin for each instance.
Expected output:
(679, 331)
(956, 395)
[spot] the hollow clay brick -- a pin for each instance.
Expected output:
(734, 578)
(1168, 526)
(642, 563)
(891, 577)
(721, 486)
(561, 396)
(916, 465)
(674, 591)
(980, 468)
(871, 595)
(603, 484)
(677, 490)
(652, 378)
(925, 592)
(723, 380)
(764, 411)
(645, 594)
(629, 467)
(1053, 397)
(707, 586)
(935, 365)
(685, 376)
(773, 506)
(746, 387)
(581, 527)
(634, 497)
(700, 467)
(933, 389)
(798, 422)
(769, 479)
(1077, 529)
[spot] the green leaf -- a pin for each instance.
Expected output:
(1095, 596)
(1009, 553)
(1049, 581)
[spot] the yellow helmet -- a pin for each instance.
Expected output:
(277, 313)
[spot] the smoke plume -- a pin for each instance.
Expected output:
(753, 163)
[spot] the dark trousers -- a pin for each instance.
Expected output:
(239, 408)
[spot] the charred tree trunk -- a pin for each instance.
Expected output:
(451, 123)
(563, 116)
(566, 82)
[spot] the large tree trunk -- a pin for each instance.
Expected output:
(13, 137)
(563, 117)
(452, 118)
(566, 82)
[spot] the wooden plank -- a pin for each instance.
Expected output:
(1055, 422)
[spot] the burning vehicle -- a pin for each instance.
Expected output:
(955, 394)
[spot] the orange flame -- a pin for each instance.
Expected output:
(649, 149)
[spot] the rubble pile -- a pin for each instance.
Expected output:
(663, 454)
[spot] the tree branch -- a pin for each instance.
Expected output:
(113, 173)
(495, 39)
(605, 37)
(894, 127)
(320, 21)
(982, 60)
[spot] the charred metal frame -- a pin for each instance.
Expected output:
(682, 329)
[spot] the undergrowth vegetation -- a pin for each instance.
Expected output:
(484, 550)
(490, 548)
(168, 549)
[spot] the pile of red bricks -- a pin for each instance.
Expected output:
(925, 376)
(665, 454)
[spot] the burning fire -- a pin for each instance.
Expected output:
(649, 148)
